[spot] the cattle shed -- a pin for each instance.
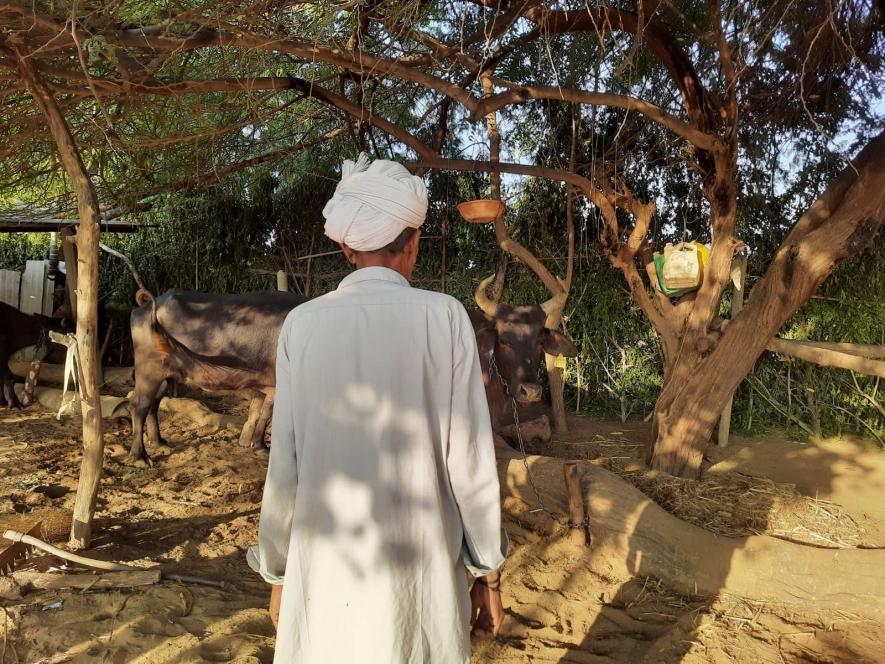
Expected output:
(30, 290)
(18, 223)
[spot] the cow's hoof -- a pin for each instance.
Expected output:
(164, 443)
(140, 461)
(261, 450)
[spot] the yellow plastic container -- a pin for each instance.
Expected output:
(687, 267)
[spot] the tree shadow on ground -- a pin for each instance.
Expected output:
(677, 621)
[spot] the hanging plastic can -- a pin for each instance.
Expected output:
(695, 249)
(682, 266)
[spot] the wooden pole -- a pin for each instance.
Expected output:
(739, 269)
(825, 357)
(69, 251)
(88, 235)
(576, 512)
(861, 350)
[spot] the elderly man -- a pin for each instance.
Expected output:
(382, 485)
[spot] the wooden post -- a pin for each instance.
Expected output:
(69, 251)
(576, 512)
(282, 281)
(88, 233)
(739, 269)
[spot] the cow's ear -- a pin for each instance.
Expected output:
(485, 329)
(556, 343)
(485, 339)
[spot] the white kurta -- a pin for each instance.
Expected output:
(382, 484)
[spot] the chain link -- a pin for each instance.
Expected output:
(493, 369)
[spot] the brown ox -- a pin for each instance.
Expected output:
(511, 340)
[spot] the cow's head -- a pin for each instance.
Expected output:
(516, 336)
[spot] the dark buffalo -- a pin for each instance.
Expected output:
(17, 331)
(228, 342)
(511, 340)
(210, 341)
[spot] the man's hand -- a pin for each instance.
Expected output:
(276, 596)
(487, 608)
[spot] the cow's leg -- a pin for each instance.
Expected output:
(143, 399)
(8, 396)
(153, 421)
(247, 435)
(4, 369)
(4, 401)
(261, 426)
(8, 390)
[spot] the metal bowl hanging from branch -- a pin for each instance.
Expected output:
(481, 211)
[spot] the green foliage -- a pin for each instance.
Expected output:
(16, 248)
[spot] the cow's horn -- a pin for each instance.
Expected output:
(554, 304)
(486, 304)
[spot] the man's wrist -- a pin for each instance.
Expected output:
(491, 581)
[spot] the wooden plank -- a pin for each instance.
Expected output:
(48, 581)
(33, 285)
(10, 281)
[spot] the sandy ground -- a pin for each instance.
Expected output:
(196, 511)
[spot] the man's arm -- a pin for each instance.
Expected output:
(473, 474)
(278, 502)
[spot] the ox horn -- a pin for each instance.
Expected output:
(488, 306)
(554, 304)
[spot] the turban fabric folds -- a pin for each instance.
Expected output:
(374, 203)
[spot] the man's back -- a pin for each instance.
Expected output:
(383, 464)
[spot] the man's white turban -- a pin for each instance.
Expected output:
(374, 203)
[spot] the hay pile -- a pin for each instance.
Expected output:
(729, 504)
(734, 505)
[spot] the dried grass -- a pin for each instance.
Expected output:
(731, 504)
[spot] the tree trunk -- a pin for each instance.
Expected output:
(840, 224)
(87, 242)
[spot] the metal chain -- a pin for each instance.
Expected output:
(493, 368)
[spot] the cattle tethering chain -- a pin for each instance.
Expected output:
(567, 523)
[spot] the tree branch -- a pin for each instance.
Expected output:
(220, 173)
(521, 95)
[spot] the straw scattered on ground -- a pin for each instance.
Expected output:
(728, 503)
